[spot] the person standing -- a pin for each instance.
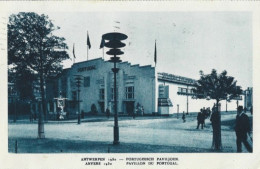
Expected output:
(183, 117)
(203, 116)
(199, 120)
(133, 115)
(242, 127)
(108, 112)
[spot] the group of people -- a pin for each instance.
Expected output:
(242, 125)
(139, 110)
(202, 115)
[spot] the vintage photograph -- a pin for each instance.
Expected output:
(130, 82)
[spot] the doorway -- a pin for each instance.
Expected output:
(129, 105)
(102, 107)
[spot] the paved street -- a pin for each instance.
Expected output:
(139, 135)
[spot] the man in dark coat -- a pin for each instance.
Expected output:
(242, 128)
(200, 120)
(183, 117)
(108, 112)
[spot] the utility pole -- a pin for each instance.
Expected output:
(187, 100)
(226, 105)
(177, 111)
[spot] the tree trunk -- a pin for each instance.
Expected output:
(216, 125)
(43, 110)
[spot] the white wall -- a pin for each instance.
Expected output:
(194, 104)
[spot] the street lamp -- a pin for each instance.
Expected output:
(114, 42)
(78, 84)
(177, 111)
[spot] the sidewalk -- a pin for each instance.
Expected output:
(102, 118)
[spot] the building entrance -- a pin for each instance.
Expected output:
(129, 107)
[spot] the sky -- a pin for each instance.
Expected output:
(187, 42)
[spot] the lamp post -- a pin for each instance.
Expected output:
(226, 105)
(177, 111)
(78, 84)
(187, 100)
(114, 42)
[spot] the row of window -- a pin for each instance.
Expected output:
(185, 90)
(129, 93)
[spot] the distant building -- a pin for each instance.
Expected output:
(157, 93)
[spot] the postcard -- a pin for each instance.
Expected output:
(113, 84)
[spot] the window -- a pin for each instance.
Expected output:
(179, 89)
(161, 91)
(129, 92)
(86, 81)
(101, 94)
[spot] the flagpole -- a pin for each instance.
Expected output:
(103, 53)
(73, 53)
(155, 54)
(87, 52)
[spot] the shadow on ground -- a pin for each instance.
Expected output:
(33, 145)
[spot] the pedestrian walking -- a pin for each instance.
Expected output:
(183, 117)
(142, 109)
(199, 120)
(208, 112)
(204, 115)
(108, 112)
(133, 115)
(82, 114)
(242, 128)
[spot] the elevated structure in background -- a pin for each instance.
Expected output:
(170, 78)
(185, 88)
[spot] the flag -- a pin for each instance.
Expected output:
(88, 41)
(73, 51)
(102, 44)
(155, 54)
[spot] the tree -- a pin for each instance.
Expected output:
(22, 78)
(217, 87)
(32, 46)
